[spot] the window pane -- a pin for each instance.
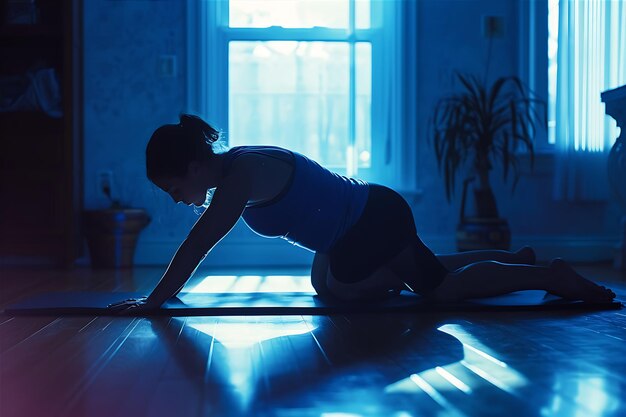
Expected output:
(291, 13)
(297, 95)
(362, 14)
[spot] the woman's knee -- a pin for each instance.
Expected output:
(325, 284)
(381, 284)
(319, 274)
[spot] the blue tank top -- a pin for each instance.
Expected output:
(315, 208)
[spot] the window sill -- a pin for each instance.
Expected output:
(544, 163)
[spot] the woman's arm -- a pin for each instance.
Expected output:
(227, 205)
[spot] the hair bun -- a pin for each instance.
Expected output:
(197, 126)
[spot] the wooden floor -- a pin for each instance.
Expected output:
(463, 364)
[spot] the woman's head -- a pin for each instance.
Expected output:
(173, 147)
(175, 155)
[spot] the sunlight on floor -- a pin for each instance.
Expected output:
(594, 396)
(480, 360)
(252, 283)
(478, 366)
(240, 333)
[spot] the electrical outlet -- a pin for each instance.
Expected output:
(104, 184)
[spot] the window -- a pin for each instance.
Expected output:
(309, 75)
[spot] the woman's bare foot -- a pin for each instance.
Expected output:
(567, 283)
(526, 255)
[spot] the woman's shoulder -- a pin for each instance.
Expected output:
(245, 156)
(258, 151)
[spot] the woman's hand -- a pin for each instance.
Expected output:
(131, 306)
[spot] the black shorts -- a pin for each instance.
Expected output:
(385, 228)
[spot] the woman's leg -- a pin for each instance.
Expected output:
(490, 278)
(454, 261)
(319, 274)
(379, 284)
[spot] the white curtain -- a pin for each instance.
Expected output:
(591, 58)
(391, 71)
(396, 108)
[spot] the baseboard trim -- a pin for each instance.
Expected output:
(228, 253)
(273, 252)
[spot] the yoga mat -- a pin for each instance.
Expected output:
(231, 304)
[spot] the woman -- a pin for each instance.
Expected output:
(363, 235)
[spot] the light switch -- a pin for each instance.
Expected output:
(167, 66)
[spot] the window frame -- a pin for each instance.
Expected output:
(533, 58)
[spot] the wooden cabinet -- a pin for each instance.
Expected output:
(40, 151)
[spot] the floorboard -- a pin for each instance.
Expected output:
(550, 363)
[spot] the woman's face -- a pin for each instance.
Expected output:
(189, 189)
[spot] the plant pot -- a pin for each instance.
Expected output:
(112, 235)
(480, 233)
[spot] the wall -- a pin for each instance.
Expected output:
(127, 97)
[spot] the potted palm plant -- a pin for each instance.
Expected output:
(472, 131)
